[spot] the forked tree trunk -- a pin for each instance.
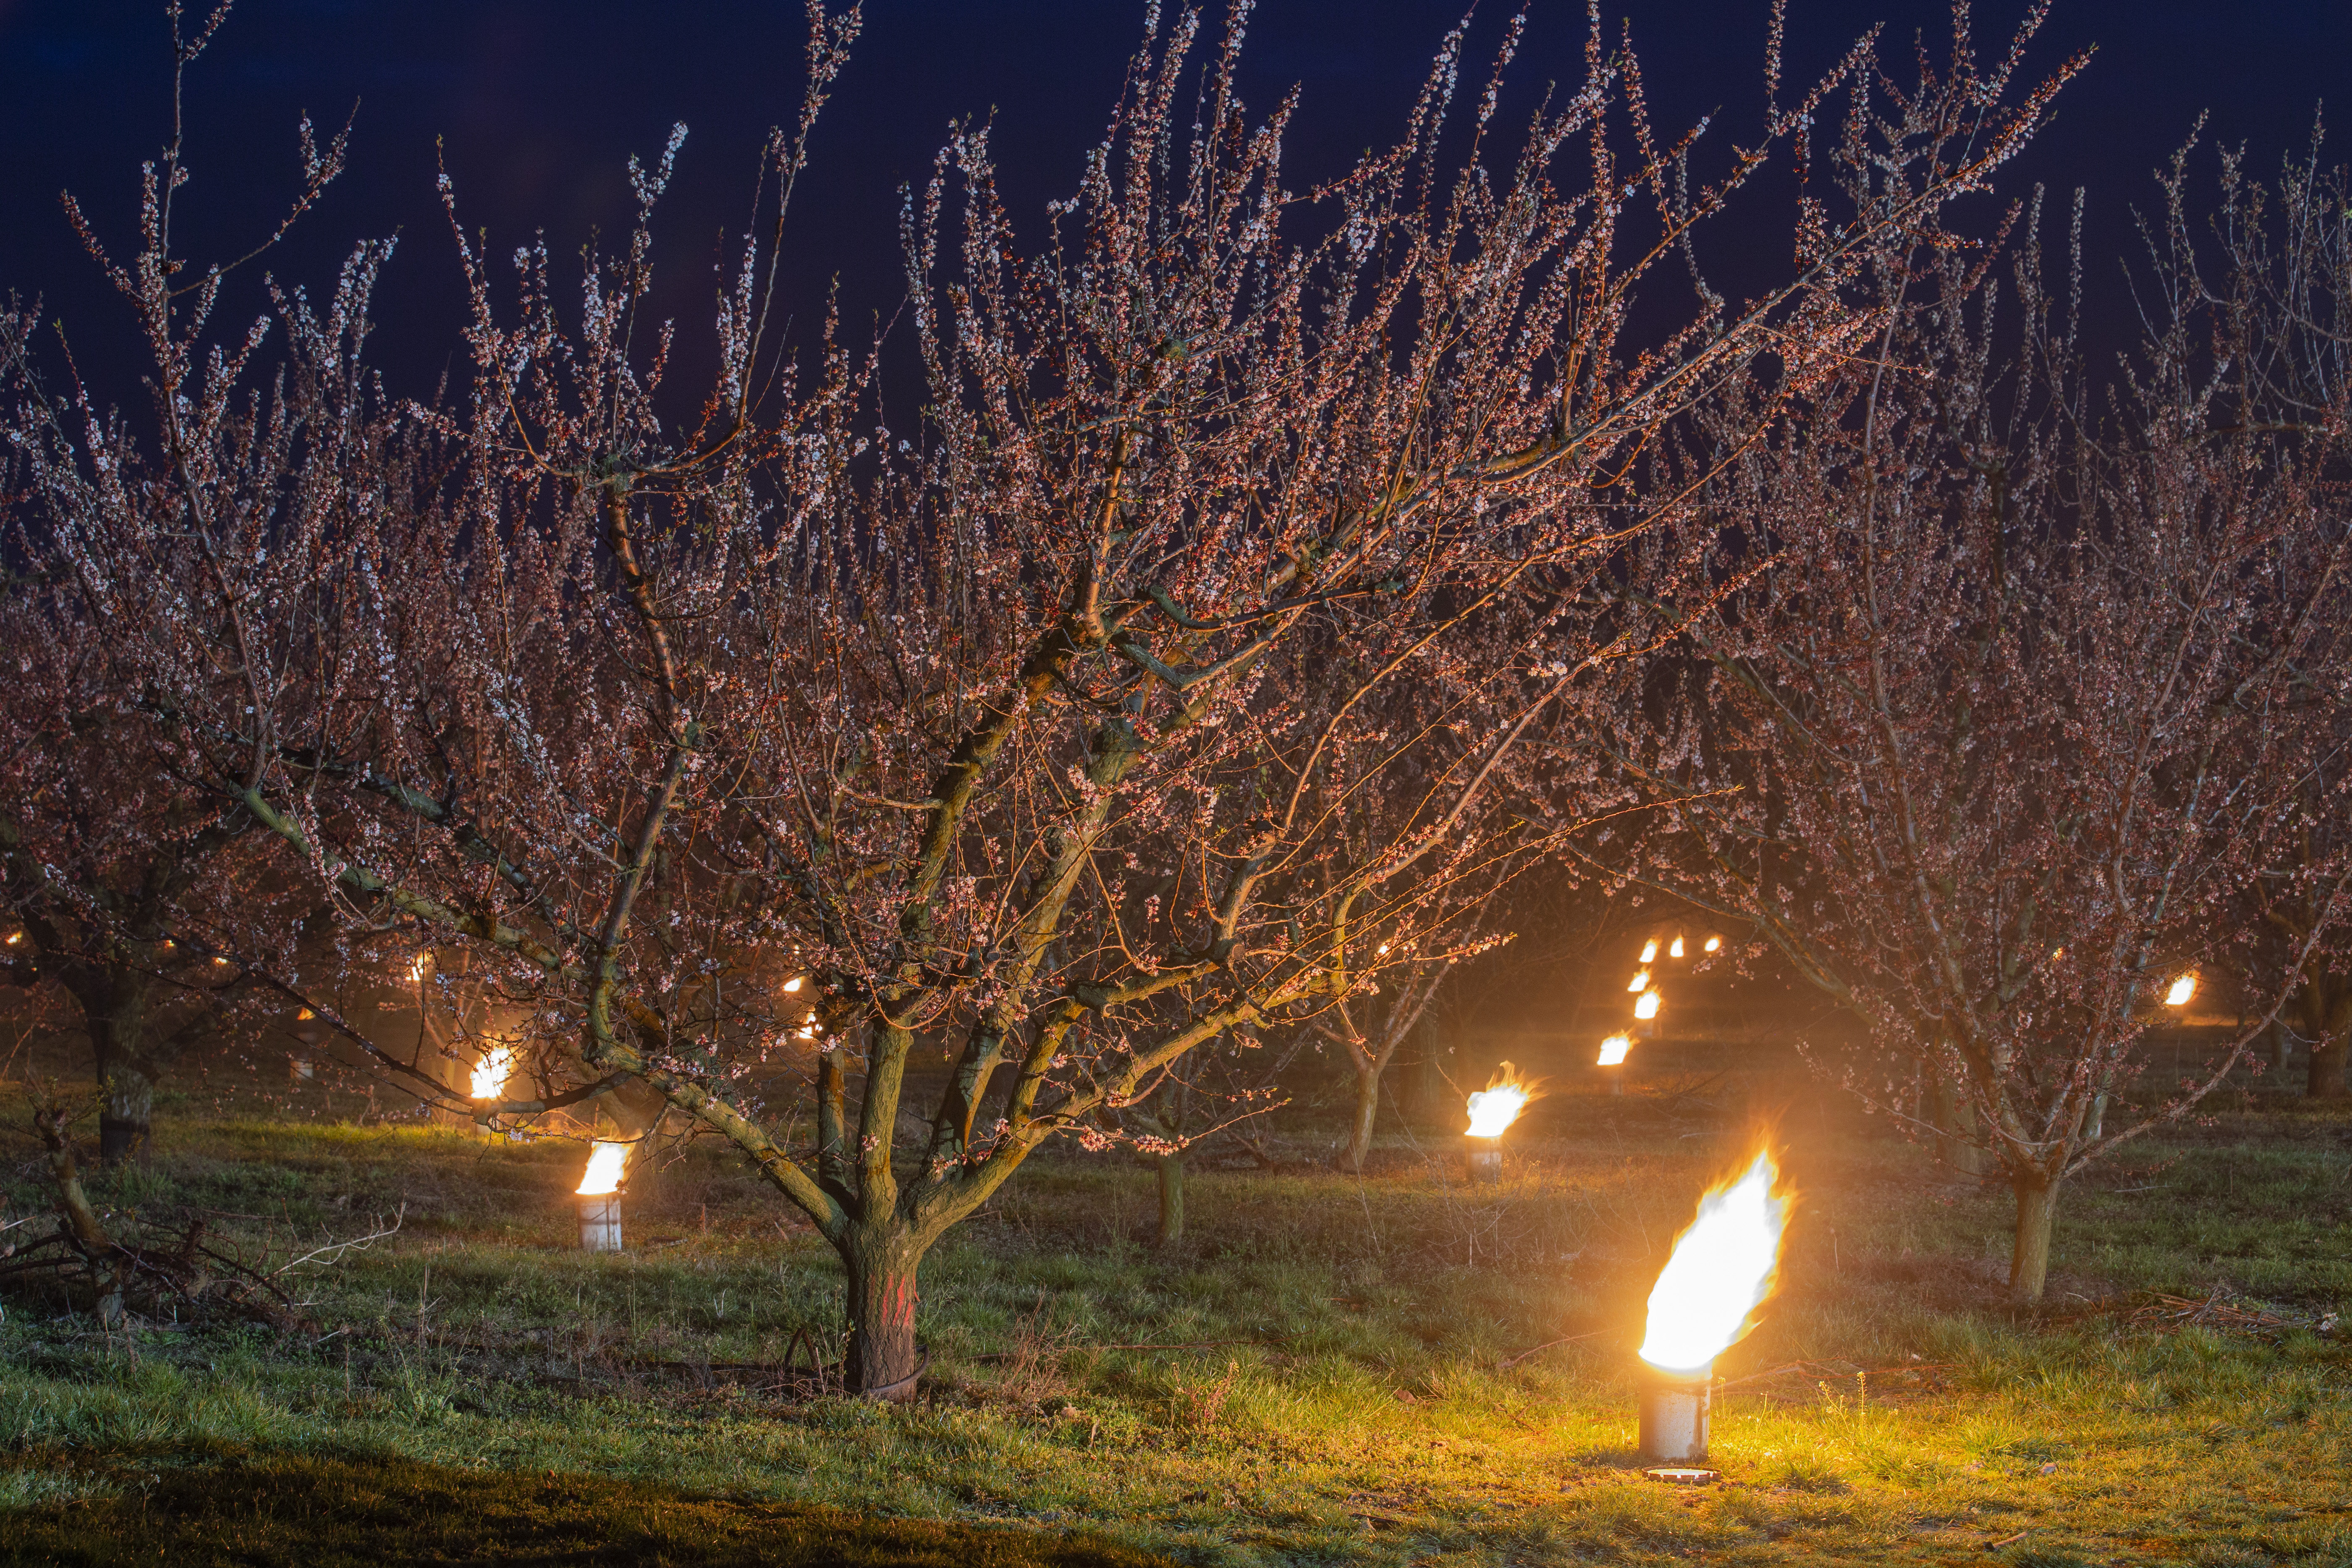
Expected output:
(883, 1356)
(2029, 1256)
(1172, 1199)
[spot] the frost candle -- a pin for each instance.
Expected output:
(1493, 1108)
(1705, 1302)
(600, 1198)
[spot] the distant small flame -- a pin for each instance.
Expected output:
(2182, 990)
(605, 1166)
(1722, 1268)
(491, 1072)
(1645, 1006)
(795, 983)
(1714, 943)
(1641, 982)
(1614, 1049)
(15, 937)
(1676, 949)
(1650, 950)
(1498, 1104)
(417, 969)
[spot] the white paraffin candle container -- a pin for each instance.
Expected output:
(600, 1223)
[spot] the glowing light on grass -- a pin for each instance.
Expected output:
(1614, 1049)
(490, 1073)
(1646, 1004)
(2182, 990)
(606, 1163)
(1497, 1106)
(1722, 1268)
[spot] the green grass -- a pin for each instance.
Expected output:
(1355, 1389)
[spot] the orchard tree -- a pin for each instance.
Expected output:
(2039, 707)
(780, 751)
(133, 882)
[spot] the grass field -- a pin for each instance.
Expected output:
(1338, 1371)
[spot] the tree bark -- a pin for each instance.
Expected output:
(2324, 1077)
(2029, 1256)
(127, 1112)
(1367, 1107)
(1172, 1199)
(883, 1356)
(1955, 1121)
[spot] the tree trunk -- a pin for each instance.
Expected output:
(1955, 1121)
(1172, 1199)
(2029, 1256)
(883, 1358)
(2324, 1078)
(1367, 1107)
(127, 1113)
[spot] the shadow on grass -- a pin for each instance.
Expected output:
(262, 1509)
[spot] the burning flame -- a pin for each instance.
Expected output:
(1722, 1268)
(1498, 1104)
(1676, 949)
(417, 969)
(793, 983)
(605, 1164)
(1614, 1049)
(2182, 990)
(1650, 950)
(1641, 982)
(1646, 1004)
(491, 1072)
(1714, 943)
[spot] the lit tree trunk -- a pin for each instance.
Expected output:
(1172, 1199)
(114, 1014)
(1368, 1108)
(881, 1260)
(127, 1113)
(2029, 1256)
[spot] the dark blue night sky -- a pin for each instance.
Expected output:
(539, 101)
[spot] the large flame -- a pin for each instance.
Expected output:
(491, 1072)
(1722, 1268)
(1649, 950)
(1714, 942)
(1676, 949)
(1645, 1006)
(1614, 1049)
(1498, 1104)
(2182, 990)
(1640, 981)
(605, 1166)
